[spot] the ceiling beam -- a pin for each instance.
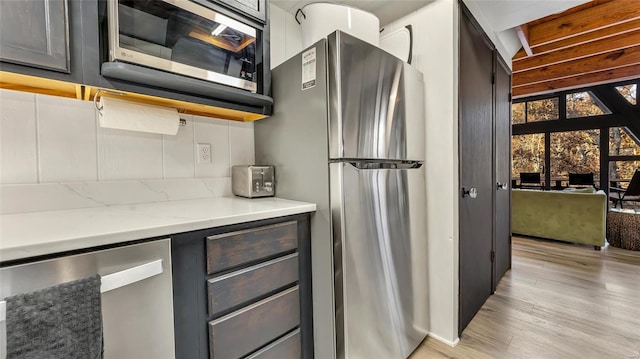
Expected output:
(523, 35)
(591, 19)
(585, 38)
(569, 82)
(608, 60)
(610, 44)
(571, 10)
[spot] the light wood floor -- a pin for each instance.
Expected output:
(558, 301)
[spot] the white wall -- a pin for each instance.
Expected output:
(286, 35)
(435, 53)
(53, 155)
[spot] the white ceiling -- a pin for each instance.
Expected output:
(497, 16)
(500, 14)
(385, 10)
(507, 14)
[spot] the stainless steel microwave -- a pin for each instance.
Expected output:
(185, 38)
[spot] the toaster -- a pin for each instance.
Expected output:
(253, 181)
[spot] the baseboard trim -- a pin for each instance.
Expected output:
(447, 342)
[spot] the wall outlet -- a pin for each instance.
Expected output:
(204, 153)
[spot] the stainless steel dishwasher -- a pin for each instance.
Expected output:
(137, 295)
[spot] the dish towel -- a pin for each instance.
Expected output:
(63, 321)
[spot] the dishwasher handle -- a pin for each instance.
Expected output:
(115, 280)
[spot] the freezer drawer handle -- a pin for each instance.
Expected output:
(115, 280)
(366, 165)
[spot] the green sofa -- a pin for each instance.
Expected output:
(565, 216)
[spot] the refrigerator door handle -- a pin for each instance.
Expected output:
(367, 165)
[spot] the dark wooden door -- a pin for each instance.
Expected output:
(502, 140)
(476, 170)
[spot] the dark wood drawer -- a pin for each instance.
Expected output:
(229, 250)
(287, 347)
(244, 331)
(237, 288)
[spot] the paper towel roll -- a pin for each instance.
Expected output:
(126, 115)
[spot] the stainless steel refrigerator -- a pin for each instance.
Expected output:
(348, 134)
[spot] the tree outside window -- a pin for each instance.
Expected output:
(622, 143)
(584, 104)
(528, 153)
(628, 92)
(543, 110)
(575, 152)
(517, 113)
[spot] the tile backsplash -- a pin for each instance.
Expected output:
(52, 151)
(18, 145)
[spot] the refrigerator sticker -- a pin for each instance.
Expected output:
(309, 69)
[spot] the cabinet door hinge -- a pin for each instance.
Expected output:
(493, 78)
(493, 256)
(510, 97)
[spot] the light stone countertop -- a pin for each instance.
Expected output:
(40, 233)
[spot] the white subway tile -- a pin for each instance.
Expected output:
(241, 144)
(216, 133)
(191, 188)
(18, 146)
(67, 140)
(179, 157)
(37, 197)
(25, 198)
(218, 187)
(120, 192)
(127, 155)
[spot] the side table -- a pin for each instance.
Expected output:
(623, 229)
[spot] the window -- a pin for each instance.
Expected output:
(622, 142)
(577, 149)
(575, 152)
(628, 92)
(620, 172)
(528, 153)
(585, 104)
(542, 110)
(517, 113)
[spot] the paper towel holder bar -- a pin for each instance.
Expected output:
(95, 97)
(182, 123)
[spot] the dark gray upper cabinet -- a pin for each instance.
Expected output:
(35, 33)
(42, 38)
(67, 40)
(254, 8)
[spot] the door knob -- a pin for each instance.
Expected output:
(500, 186)
(469, 192)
